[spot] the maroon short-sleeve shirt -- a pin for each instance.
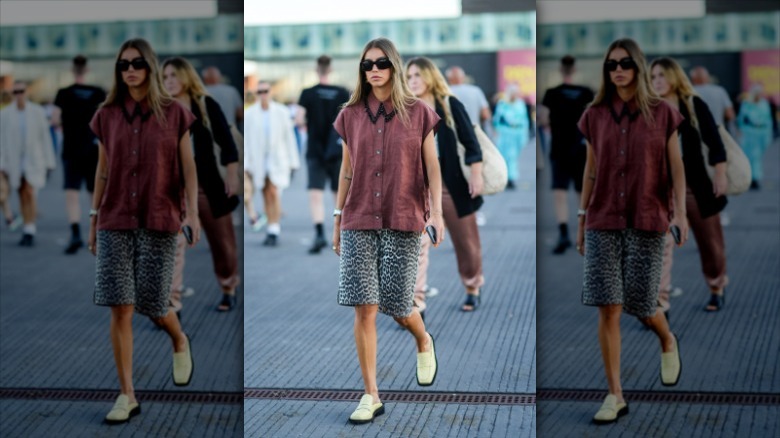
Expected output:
(389, 187)
(633, 186)
(145, 186)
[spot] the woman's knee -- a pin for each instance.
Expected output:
(365, 314)
(610, 313)
(122, 314)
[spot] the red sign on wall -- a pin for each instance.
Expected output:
(519, 67)
(763, 67)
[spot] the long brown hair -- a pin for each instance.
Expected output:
(156, 95)
(190, 83)
(436, 83)
(679, 84)
(401, 96)
(644, 95)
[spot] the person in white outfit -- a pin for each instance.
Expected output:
(271, 154)
(26, 154)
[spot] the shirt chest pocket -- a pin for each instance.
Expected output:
(165, 144)
(654, 146)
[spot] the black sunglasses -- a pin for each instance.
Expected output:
(381, 63)
(262, 91)
(137, 63)
(19, 91)
(625, 64)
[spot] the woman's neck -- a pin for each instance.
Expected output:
(381, 93)
(184, 99)
(138, 93)
(626, 93)
(429, 99)
(672, 99)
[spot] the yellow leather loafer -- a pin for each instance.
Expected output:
(671, 365)
(427, 366)
(610, 410)
(367, 410)
(183, 366)
(123, 410)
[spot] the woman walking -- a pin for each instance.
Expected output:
(144, 155)
(511, 122)
(755, 123)
(382, 207)
(216, 198)
(625, 210)
(460, 197)
(704, 198)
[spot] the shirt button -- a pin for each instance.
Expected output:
(621, 194)
(377, 174)
(133, 173)
(623, 131)
(133, 194)
(379, 131)
(376, 194)
(133, 151)
(376, 217)
(378, 152)
(622, 152)
(135, 131)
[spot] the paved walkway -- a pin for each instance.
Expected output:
(736, 350)
(53, 337)
(298, 337)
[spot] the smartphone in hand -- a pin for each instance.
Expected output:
(431, 233)
(675, 230)
(187, 230)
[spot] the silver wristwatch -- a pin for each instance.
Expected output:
(336, 212)
(93, 212)
(581, 212)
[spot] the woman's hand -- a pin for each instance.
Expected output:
(194, 223)
(337, 235)
(581, 235)
(92, 240)
(682, 223)
(476, 183)
(231, 179)
(719, 181)
(438, 224)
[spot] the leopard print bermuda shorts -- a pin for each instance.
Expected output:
(135, 267)
(379, 267)
(623, 267)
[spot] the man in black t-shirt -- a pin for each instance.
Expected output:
(322, 103)
(75, 106)
(566, 103)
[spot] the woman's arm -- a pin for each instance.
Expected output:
(473, 151)
(588, 179)
(228, 148)
(678, 186)
(190, 186)
(434, 183)
(717, 151)
(101, 175)
(345, 181)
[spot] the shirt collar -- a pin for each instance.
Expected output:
(627, 109)
(132, 109)
(375, 108)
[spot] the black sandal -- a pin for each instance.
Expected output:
(471, 300)
(716, 302)
(227, 303)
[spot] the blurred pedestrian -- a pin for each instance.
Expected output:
(511, 123)
(565, 104)
(460, 197)
(389, 163)
(715, 96)
(471, 96)
(271, 155)
(145, 168)
(216, 197)
(323, 151)
(632, 161)
(228, 98)
(755, 124)
(75, 107)
(26, 155)
(705, 198)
